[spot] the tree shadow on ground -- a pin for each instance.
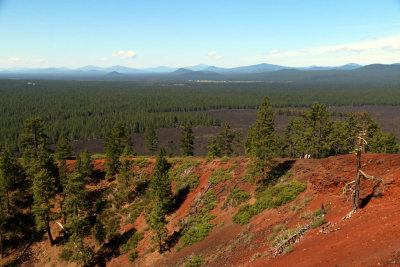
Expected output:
(277, 172)
(111, 249)
(178, 199)
(171, 241)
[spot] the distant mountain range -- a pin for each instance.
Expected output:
(350, 73)
(259, 68)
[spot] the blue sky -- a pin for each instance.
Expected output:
(177, 33)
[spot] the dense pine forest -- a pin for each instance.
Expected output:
(86, 110)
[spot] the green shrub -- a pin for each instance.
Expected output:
(306, 200)
(288, 249)
(195, 261)
(237, 197)
(183, 175)
(220, 175)
(199, 227)
(133, 254)
(317, 213)
(232, 167)
(132, 243)
(66, 254)
(284, 236)
(318, 222)
(230, 247)
(295, 208)
(272, 197)
(251, 174)
(249, 238)
(224, 159)
(142, 162)
(279, 227)
(243, 215)
(271, 237)
(305, 215)
(256, 256)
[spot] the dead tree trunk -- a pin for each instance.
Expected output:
(357, 180)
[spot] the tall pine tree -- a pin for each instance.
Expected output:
(160, 188)
(63, 153)
(151, 142)
(117, 141)
(187, 140)
(262, 144)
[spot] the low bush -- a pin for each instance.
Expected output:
(132, 243)
(305, 215)
(243, 215)
(142, 162)
(133, 254)
(199, 227)
(224, 159)
(273, 197)
(183, 175)
(317, 222)
(237, 197)
(284, 236)
(220, 175)
(288, 249)
(271, 237)
(279, 227)
(195, 261)
(295, 208)
(306, 200)
(256, 256)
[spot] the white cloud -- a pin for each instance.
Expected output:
(130, 54)
(214, 55)
(366, 52)
(102, 59)
(29, 60)
(124, 55)
(14, 59)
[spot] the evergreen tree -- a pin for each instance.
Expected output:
(10, 175)
(76, 208)
(160, 188)
(294, 138)
(84, 165)
(187, 140)
(151, 142)
(43, 192)
(237, 143)
(225, 139)
(117, 141)
(14, 194)
(123, 190)
(41, 168)
(34, 144)
(3, 217)
(262, 143)
(63, 153)
(317, 129)
(214, 150)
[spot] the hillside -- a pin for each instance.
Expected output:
(368, 237)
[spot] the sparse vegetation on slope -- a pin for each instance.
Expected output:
(272, 197)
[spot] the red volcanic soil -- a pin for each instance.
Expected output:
(370, 237)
